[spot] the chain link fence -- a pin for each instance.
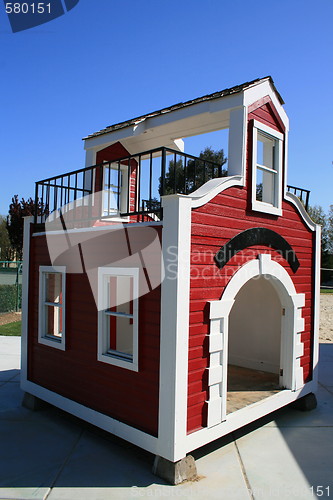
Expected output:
(326, 278)
(10, 286)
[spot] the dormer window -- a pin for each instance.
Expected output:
(267, 169)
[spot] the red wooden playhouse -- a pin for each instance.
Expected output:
(164, 301)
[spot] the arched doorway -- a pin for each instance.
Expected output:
(254, 346)
(261, 298)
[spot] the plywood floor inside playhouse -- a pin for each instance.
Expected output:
(247, 386)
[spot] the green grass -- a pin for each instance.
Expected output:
(11, 329)
(326, 290)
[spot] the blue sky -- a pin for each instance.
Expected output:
(109, 60)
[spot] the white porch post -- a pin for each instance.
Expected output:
(174, 327)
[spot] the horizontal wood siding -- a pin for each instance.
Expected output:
(128, 396)
(213, 225)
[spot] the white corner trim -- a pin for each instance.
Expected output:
(213, 187)
(317, 265)
(109, 424)
(300, 207)
(237, 142)
(90, 157)
(175, 290)
(25, 294)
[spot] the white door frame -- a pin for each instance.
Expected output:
(291, 326)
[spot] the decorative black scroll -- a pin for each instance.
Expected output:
(257, 236)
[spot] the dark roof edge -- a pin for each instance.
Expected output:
(208, 97)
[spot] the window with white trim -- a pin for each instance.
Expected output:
(51, 327)
(115, 188)
(118, 316)
(267, 169)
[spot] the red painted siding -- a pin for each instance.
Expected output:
(131, 397)
(213, 225)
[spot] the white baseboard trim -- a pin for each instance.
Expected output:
(245, 416)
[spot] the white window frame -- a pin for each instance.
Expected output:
(43, 338)
(261, 206)
(103, 353)
(123, 189)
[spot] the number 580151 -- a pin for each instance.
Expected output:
(28, 8)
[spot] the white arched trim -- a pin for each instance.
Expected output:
(292, 324)
(301, 210)
(213, 187)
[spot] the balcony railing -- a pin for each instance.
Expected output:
(302, 194)
(131, 186)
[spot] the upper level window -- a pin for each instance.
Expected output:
(115, 187)
(118, 316)
(51, 330)
(267, 169)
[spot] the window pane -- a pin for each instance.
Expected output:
(120, 294)
(121, 334)
(265, 151)
(53, 287)
(265, 186)
(111, 188)
(53, 321)
(259, 184)
(260, 151)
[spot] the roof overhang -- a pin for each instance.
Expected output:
(198, 116)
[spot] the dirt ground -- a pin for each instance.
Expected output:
(326, 318)
(325, 330)
(9, 317)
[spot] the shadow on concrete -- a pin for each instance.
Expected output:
(50, 448)
(8, 375)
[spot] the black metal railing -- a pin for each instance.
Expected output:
(302, 194)
(129, 186)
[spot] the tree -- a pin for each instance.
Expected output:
(330, 230)
(6, 251)
(186, 178)
(318, 215)
(17, 211)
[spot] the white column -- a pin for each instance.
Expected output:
(25, 294)
(237, 142)
(175, 291)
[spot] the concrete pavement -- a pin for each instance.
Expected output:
(49, 454)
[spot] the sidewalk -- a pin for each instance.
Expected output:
(50, 454)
